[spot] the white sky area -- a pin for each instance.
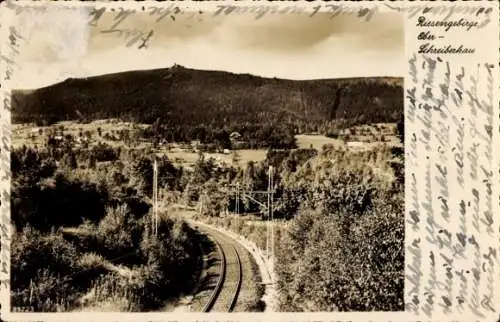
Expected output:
(57, 46)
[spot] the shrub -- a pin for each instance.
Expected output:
(114, 292)
(90, 267)
(103, 152)
(358, 267)
(90, 261)
(174, 251)
(31, 250)
(119, 234)
(57, 202)
(47, 292)
(42, 269)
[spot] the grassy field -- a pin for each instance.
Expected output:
(364, 137)
(182, 156)
(35, 136)
(368, 136)
(32, 135)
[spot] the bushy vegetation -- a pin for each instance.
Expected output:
(113, 262)
(83, 232)
(39, 265)
(359, 267)
(44, 198)
(162, 267)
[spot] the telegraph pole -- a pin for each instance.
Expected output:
(271, 206)
(272, 223)
(237, 203)
(237, 198)
(155, 198)
(269, 213)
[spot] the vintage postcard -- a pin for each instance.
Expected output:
(249, 161)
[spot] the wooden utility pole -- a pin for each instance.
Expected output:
(271, 206)
(270, 216)
(155, 198)
(268, 237)
(238, 202)
(237, 205)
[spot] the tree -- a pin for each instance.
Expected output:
(59, 201)
(401, 129)
(92, 161)
(104, 152)
(142, 176)
(28, 167)
(203, 170)
(169, 176)
(69, 160)
(215, 200)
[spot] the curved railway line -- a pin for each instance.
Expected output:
(225, 294)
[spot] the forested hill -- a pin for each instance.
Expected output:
(183, 96)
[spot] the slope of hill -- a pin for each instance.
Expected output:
(184, 96)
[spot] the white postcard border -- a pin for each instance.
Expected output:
(487, 53)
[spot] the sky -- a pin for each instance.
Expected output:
(59, 46)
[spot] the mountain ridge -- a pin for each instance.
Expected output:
(185, 96)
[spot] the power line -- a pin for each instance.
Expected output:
(235, 190)
(268, 207)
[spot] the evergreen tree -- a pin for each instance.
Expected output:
(142, 176)
(401, 129)
(92, 161)
(69, 160)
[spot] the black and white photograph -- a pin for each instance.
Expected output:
(183, 160)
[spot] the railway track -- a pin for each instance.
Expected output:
(225, 294)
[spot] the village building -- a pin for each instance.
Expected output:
(235, 136)
(236, 140)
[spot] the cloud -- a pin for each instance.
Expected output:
(51, 36)
(286, 46)
(283, 33)
(295, 33)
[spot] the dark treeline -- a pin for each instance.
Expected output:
(235, 137)
(182, 99)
